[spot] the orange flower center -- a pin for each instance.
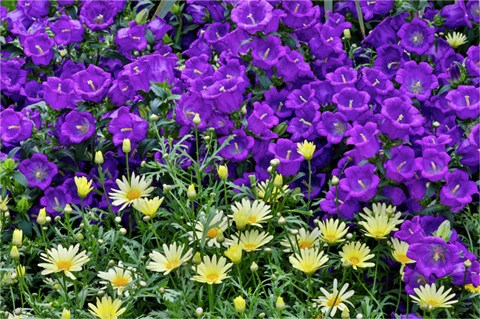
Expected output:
(213, 232)
(133, 194)
(64, 264)
(120, 281)
(212, 277)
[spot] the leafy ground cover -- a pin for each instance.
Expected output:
(252, 159)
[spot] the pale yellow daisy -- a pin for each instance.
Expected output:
(308, 260)
(107, 308)
(355, 254)
(83, 186)
(304, 239)
(148, 207)
(118, 277)
(211, 271)
(399, 251)
(129, 192)
(62, 259)
(456, 39)
(380, 223)
(429, 298)
(251, 240)
(332, 231)
(335, 300)
(172, 258)
(250, 213)
(208, 229)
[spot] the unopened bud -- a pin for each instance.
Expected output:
(347, 34)
(65, 314)
(197, 258)
(17, 237)
(80, 236)
(280, 304)
(253, 267)
(278, 181)
(349, 236)
(118, 219)
(154, 117)
(14, 253)
(126, 145)
(435, 124)
(275, 162)
(191, 193)
(123, 231)
(142, 17)
(335, 181)
(196, 119)
(222, 171)
(467, 263)
(240, 304)
(220, 238)
(282, 220)
(68, 209)
(99, 157)
(199, 311)
(42, 216)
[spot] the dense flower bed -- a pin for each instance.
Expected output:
(239, 158)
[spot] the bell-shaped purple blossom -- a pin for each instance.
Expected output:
(438, 143)
(340, 203)
(55, 199)
(342, 77)
(333, 126)
(99, 15)
(455, 15)
(59, 94)
(292, 66)
(32, 91)
(375, 8)
(472, 62)
(351, 102)
(458, 190)
(301, 98)
(303, 127)
(465, 101)
(127, 125)
(226, 95)
(197, 67)
(159, 27)
(121, 90)
(13, 77)
(38, 171)
(286, 152)
(416, 36)
(365, 139)
(390, 59)
(78, 126)
(400, 116)
(262, 120)
(39, 48)
(434, 256)
(402, 164)
(131, 38)
(92, 84)
(417, 80)
(375, 83)
(216, 34)
(188, 106)
(360, 182)
(34, 8)
(67, 30)
(414, 278)
(256, 15)
(434, 164)
(238, 148)
(276, 100)
(267, 52)
(15, 127)
(299, 13)
(160, 67)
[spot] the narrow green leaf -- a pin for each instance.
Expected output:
(164, 7)
(360, 17)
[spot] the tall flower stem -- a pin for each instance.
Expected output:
(309, 181)
(127, 167)
(211, 298)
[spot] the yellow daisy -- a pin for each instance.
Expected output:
(234, 253)
(429, 298)
(129, 193)
(118, 277)
(380, 223)
(356, 254)
(456, 39)
(471, 288)
(107, 308)
(250, 213)
(306, 149)
(308, 260)
(332, 231)
(172, 258)
(148, 207)
(302, 240)
(208, 229)
(335, 300)
(62, 259)
(83, 186)
(251, 240)
(275, 194)
(399, 251)
(211, 271)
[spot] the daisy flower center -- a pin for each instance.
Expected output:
(432, 302)
(252, 219)
(64, 264)
(354, 260)
(248, 247)
(120, 281)
(133, 194)
(212, 277)
(213, 232)
(334, 301)
(172, 264)
(303, 244)
(403, 258)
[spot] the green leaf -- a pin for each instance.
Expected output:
(164, 7)
(20, 178)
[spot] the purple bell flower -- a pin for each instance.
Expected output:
(417, 80)
(188, 106)
(438, 143)
(390, 59)
(139, 74)
(226, 95)
(197, 67)
(342, 77)
(99, 15)
(351, 103)
(55, 199)
(262, 119)
(414, 278)
(375, 8)
(161, 67)
(267, 52)
(402, 165)
(365, 139)
(59, 94)
(13, 77)
(15, 127)
(238, 148)
(131, 38)
(434, 256)
(78, 126)
(276, 100)
(458, 190)
(434, 164)
(292, 66)
(333, 126)
(159, 27)
(472, 62)
(465, 101)
(400, 116)
(121, 90)
(285, 150)
(416, 36)
(38, 171)
(299, 99)
(299, 13)
(67, 30)
(127, 125)
(256, 15)
(360, 182)
(340, 203)
(39, 48)
(92, 84)
(455, 15)
(303, 129)
(34, 8)
(33, 92)
(375, 83)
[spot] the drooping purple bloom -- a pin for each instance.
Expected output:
(455, 15)
(59, 93)
(434, 164)
(238, 148)
(39, 48)
(417, 80)
(416, 36)
(333, 126)
(14, 126)
(78, 126)
(402, 165)
(399, 117)
(365, 139)
(127, 125)
(351, 102)
(286, 151)
(360, 182)
(67, 30)
(465, 101)
(55, 199)
(92, 84)
(434, 256)
(458, 190)
(38, 171)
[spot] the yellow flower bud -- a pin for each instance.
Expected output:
(66, 314)
(234, 253)
(42, 216)
(68, 209)
(280, 304)
(278, 181)
(126, 146)
(197, 258)
(347, 34)
(222, 171)
(99, 158)
(17, 237)
(253, 267)
(83, 186)
(240, 304)
(14, 253)
(191, 193)
(20, 270)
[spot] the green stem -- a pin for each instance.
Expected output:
(376, 271)
(399, 294)
(309, 182)
(211, 298)
(128, 170)
(368, 291)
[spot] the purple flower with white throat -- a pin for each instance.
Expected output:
(333, 126)
(365, 139)
(38, 171)
(351, 103)
(465, 101)
(417, 80)
(127, 125)
(434, 164)
(458, 190)
(416, 36)
(402, 165)
(360, 182)
(256, 15)
(67, 30)
(399, 117)
(78, 126)
(238, 148)
(39, 48)
(286, 151)
(92, 84)
(59, 93)
(15, 127)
